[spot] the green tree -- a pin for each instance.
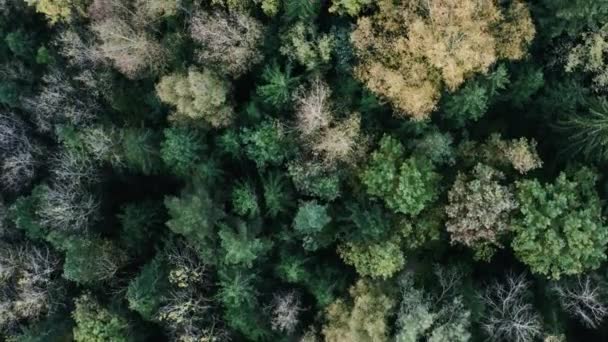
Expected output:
(241, 244)
(349, 7)
(407, 186)
(194, 215)
(559, 229)
(197, 95)
(266, 144)
(145, 292)
(245, 200)
(138, 219)
(310, 223)
(277, 86)
(91, 260)
(181, 149)
(277, 194)
(94, 323)
(140, 150)
(587, 132)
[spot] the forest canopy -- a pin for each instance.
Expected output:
(303, 170)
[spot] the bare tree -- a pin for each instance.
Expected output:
(26, 274)
(511, 316)
(286, 309)
(124, 36)
(60, 101)
(19, 154)
(231, 40)
(68, 208)
(582, 298)
(314, 110)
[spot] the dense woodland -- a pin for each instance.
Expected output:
(303, 170)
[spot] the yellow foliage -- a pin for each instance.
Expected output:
(365, 320)
(408, 51)
(57, 10)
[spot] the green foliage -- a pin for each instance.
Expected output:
(349, 7)
(197, 96)
(310, 221)
(277, 195)
(571, 17)
(266, 144)
(194, 215)
(141, 151)
(181, 149)
(240, 244)
(95, 323)
(145, 292)
(138, 221)
(302, 44)
(375, 260)
(587, 133)
(312, 179)
(560, 229)
(245, 200)
(472, 101)
(407, 186)
(277, 86)
(305, 11)
(20, 44)
(89, 261)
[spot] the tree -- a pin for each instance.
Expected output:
(310, 223)
(91, 260)
(94, 323)
(20, 153)
(138, 220)
(140, 150)
(407, 51)
(27, 283)
(407, 186)
(314, 179)
(197, 95)
(245, 200)
(510, 315)
(559, 229)
(585, 132)
(588, 56)
(194, 215)
(433, 315)
(349, 7)
(230, 40)
(365, 320)
(181, 149)
(286, 311)
(278, 85)
(277, 195)
(242, 244)
(584, 298)
(266, 144)
(58, 10)
(303, 44)
(570, 17)
(518, 154)
(374, 259)
(125, 41)
(146, 291)
(59, 101)
(479, 208)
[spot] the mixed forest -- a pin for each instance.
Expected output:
(303, 170)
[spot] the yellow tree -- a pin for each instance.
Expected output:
(409, 50)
